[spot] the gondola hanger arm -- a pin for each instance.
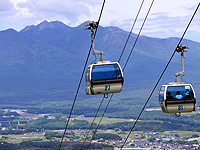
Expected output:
(182, 49)
(91, 26)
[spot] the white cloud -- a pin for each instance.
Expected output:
(6, 8)
(166, 18)
(66, 10)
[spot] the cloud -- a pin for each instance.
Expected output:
(6, 8)
(166, 18)
(166, 26)
(20, 13)
(54, 10)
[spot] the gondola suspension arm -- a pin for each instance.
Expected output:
(93, 25)
(181, 49)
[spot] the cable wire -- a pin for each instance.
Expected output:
(92, 122)
(125, 64)
(131, 30)
(161, 75)
(100, 121)
(138, 34)
(81, 77)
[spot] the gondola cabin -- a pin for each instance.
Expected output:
(177, 98)
(104, 78)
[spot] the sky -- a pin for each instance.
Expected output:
(167, 18)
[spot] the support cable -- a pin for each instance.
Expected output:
(123, 68)
(100, 120)
(92, 122)
(81, 78)
(161, 75)
(138, 34)
(131, 30)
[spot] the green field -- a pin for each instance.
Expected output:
(105, 120)
(185, 134)
(20, 138)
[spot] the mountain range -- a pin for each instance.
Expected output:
(45, 62)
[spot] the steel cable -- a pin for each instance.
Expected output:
(131, 30)
(92, 122)
(100, 120)
(138, 34)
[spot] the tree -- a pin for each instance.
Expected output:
(176, 135)
(195, 136)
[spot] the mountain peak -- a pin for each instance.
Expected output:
(83, 25)
(46, 25)
(44, 22)
(59, 24)
(9, 32)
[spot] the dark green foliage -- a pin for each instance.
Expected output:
(10, 131)
(51, 135)
(152, 139)
(51, 145)
(55, 124)
(195, 136)
(176, 135)
(8, 119)
(44, 123)
(80, 124)
(2, 112)
(6, 146)
(107, 136)
(9, 113)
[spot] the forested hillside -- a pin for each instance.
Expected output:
(45, 62)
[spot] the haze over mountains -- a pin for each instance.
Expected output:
(46, 61)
